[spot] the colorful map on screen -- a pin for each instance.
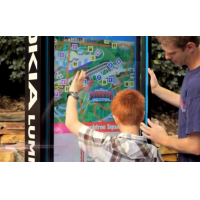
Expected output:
(109, 67)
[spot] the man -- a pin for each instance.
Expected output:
(128, 111)
(182, 50)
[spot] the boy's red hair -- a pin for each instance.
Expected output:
(128, 106)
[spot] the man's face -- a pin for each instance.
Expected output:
(177, 55)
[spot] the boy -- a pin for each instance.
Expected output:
(128, 112)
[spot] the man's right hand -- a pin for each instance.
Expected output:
(153, 81)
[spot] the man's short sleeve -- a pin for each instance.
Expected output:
(193, 116)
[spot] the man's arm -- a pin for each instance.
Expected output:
(189, 145)
(167, 96)
(71, 120)
(164, 94)
(156, 133)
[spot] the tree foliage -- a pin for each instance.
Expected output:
(12, 54)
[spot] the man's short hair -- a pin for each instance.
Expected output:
(128, 106)
(178, 41)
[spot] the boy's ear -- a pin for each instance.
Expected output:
(116, 119)
(143, 116)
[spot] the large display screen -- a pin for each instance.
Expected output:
(110, 66)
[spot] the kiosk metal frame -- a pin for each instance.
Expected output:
(39, 93)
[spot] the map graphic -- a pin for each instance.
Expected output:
(109, 67)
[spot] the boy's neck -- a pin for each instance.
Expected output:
(129, 129)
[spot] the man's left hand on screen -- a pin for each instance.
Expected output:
(155, 132)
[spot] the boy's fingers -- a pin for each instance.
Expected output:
(81, 75)
(76, 75)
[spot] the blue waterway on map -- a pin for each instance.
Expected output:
(59, 114)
